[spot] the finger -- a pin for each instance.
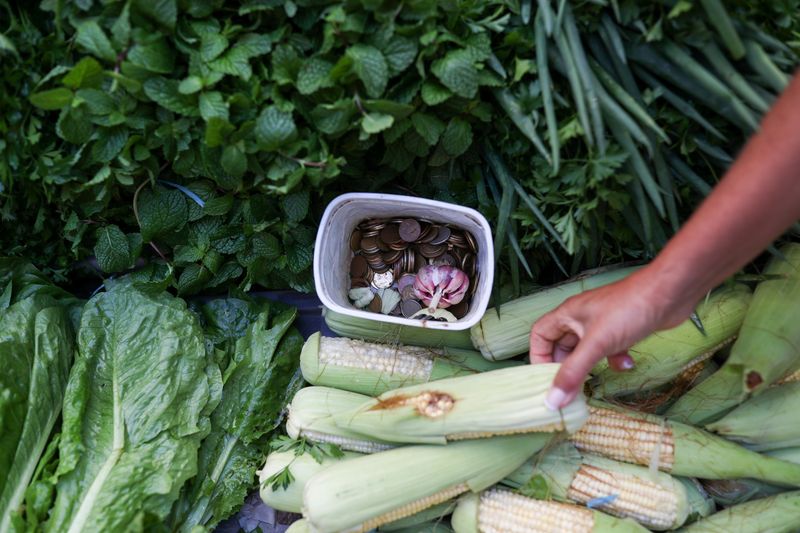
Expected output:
(620, 362)
(545, 333)
(564, 346)
(573, 372)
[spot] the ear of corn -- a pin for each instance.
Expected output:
(665, 354)
(372, 490)
(431, 514)
(503, 333)
(299, 526)
(373, 368)
(311, 417)
(682, 450)
(371, 330)
(767, 349)
(767, 422)
(502, 511)
(654, 499)
(499, 402)
(434, 526)
(302, 467)
(774, 514)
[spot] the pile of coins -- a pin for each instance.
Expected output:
(389, 252)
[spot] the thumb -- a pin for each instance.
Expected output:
(568, 382)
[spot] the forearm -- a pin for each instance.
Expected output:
(756, 201)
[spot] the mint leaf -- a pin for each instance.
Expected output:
(212, 45)
(92, 37)
(457, 137)
(433, 94)
(370, 67)
(52, 99)
(165, 93)
(161, 212)
(234, 161)
(314, 75)
(109, 144)
(428, 126)
(155, 56)
(266, 245)
(274, 128)
(73, 125)
(457, 72)
(376, 122)
(236, 61)
(400, 52)
(295, 205)
(212, 104)
(112, 249)
(217, 130)
(190, 85)
(298, 257)
(86, 73)
(336, 118)
(165, 12)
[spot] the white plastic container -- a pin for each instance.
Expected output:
(332, 252)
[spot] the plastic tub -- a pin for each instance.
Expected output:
(332, 252)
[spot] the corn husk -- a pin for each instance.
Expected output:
(299, 526)
(374, 489)
(431, 515)
(499, 402)
(728, 492)
(504, 333)
(701, 504)
(774, 514)
(665, 354)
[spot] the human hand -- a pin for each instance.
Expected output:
(603, 322)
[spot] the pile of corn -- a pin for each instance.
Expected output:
(434, 437)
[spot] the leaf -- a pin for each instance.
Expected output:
(428, 126)
(370, 67)
(376, 122)
(91, 36)
(212, 45)
(213, 104)
(165, 93)
(161, 211)
(217, 130)
(86, 73)
(314, 75)
(457, 137)
(111, 249)
(400, 52)
(135, 411)
(52, 99)
(109, 144)
(155, 56)
(274, 128)
(190, 85)
(165, 12)
(234, 161)
(456, 71)
(73, 125)
(434, 94)
(336, 118)
(236, 61)
(295, 205)
(298, 257)
(266, 245)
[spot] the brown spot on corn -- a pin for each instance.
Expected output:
(430, 404)
(754, 379)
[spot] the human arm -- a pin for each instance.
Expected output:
(756, 201)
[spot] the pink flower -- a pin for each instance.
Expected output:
(440, 286)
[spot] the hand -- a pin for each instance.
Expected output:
(603, 322)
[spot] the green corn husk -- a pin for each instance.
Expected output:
(421, 519)
(654, 499)
(369, 491)
(427, 527)
(768, 346)
(774, 514)
(311, 416)
(676, 448)
(728, 492)
(504, 333)
(301, 467)
(478, 513)
(372, 330)
(766, 422)
(510, 400)
(299, 526)
(373, 368)
(664, 355)
(701, 504)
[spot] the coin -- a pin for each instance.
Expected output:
(468, 265)
(442, 234)
(358, 282)
(390, 234)
(460, 309)
(447, 259)
(429, 233)
(383, 280)
(431, 250)
(355, 240)
(358, 267)
(410, 307)
(419, 261)
(391, 257)
(471, 242)
(375, 304)
(410, 230)
(396, 311)
(369, 245)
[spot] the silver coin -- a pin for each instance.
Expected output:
(383, 280)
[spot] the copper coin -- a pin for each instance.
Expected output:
(396, 311)
(460, 309)
(410, 308)
(442, 234)
(447, 259)
(419, 261)
(390, 234)
(358, 282)
(392, 256)
(399, 245)
(429, 233)
(358, 267)
(355, 240)
(407, 293)
(471, 242)
(468, 265)
(397, 269)
(410, 230)
(375, 304)
(369, 245)
(432, 251)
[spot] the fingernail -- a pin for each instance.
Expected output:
(555, 398)
(627, 363)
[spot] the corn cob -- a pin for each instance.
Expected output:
(503, 333)
(311, 417)
(774, 514)
(372, 368)
(767, 349)
(502, 511)
(654, 499)
(299, 526)
(792, 377)
(665, 354)
(766, 422)
(372, 490)
(371, 330)
(301, 467)
(676, 448)
(431, 514)
(500, 402)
